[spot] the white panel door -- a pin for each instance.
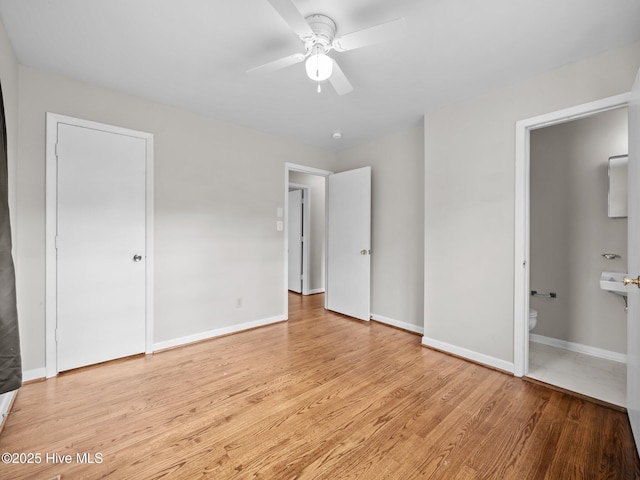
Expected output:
(100, 246)
(348, 288)
(633, 294)
(295, 241)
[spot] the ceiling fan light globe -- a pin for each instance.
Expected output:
(319, 67)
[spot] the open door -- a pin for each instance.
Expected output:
(348, 288)
(295, 241)
(633, 294)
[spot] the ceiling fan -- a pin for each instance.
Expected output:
(318, 34)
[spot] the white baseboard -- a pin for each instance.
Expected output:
(35, 374)
(41, 373)
(469, 354)
(397, 323)
(579, 348)
(176, 342)
(316, 290)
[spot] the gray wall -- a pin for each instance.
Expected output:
(397, 163)
(570, 230)
(316, 264)
(469, 199)
(217, 189)
(215, 236)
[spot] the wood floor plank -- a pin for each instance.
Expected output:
(321, 396)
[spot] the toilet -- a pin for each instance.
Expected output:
(533, 318)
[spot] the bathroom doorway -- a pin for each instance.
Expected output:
(580, 333)
(573, 335)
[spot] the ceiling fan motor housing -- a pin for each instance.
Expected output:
(324, 31)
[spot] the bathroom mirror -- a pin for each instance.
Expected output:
(618, 186)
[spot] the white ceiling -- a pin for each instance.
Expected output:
(194, 54)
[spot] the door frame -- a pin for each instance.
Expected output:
(293, 167)
(306, 232)
(521, 262)
(51, 220)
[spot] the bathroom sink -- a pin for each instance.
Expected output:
(612, 282)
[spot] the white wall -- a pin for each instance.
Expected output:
(217, 188)
(469, 200)
(397, 284)
(570, 230)
(316, 259)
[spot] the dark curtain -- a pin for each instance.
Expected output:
(10, 361)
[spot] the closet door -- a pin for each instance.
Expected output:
(100, 246)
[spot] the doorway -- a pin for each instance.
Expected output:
(579, 331)
(306, 244)
(522, 214)
(347, 238)
(522, 290)
(99, 247)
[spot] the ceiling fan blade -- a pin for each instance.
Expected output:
(339, 80)
(290, 14)
(372, 35)
(278, 64)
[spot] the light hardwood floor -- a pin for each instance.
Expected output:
(321, 396)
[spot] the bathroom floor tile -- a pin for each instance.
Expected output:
(595, 377)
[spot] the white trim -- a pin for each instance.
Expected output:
(292, 167)
(579, 348)
(149, 236)
(521, 255)
(177, 342)
(521, 233)
(316, 290)
(469, 354)
(35, 374)
(52, 121)
(397, 323)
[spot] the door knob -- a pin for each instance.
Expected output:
(631, 281)
(365, 252)
(137, 258)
